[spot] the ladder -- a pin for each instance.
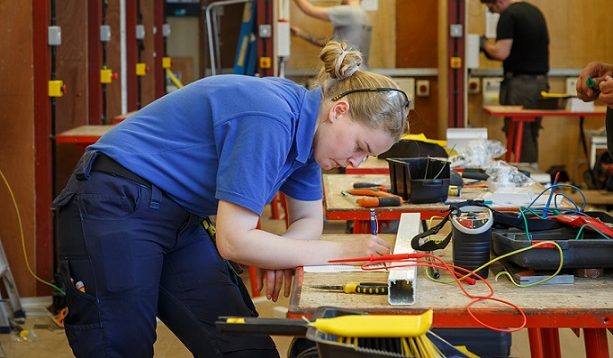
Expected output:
(11, 289)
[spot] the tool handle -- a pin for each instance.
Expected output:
(267, 326)
(363, 185)
(375, 202)
(371, 289)
(366, 288)
(370, 192)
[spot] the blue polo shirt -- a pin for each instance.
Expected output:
(234, 138)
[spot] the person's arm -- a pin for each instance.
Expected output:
(308, 37)
(239, 240)
(499, 50)
(305, 218)
(309, 9)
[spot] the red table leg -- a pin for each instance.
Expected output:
(596, 345)
(519, 137)
(510, 141)
(551, 342)
(536, 343)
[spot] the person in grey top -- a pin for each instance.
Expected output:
(350, 21)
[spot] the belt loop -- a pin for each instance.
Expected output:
(156, 197)
(84, 167)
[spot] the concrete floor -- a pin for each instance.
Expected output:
(46, 340)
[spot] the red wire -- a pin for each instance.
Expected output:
(452, 269)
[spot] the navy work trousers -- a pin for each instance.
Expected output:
(140, 255)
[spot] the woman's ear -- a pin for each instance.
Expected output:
(339, 108)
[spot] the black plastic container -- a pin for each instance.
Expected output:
(419, 180)
(593, 251)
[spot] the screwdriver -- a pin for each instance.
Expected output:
(367, 288)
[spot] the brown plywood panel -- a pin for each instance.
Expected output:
(71, 57)
(416, 33)
(17, 138)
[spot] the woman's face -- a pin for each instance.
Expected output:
(341, 142)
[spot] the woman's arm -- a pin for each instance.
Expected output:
(239, 240)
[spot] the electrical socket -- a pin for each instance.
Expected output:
(474, 85)
(571, 86)
(422, 88)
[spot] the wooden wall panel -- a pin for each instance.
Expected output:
(579, 33)
(417, 35)
(417, 47)
(72, 110)
(17, 138)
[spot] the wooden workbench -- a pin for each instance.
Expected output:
(83, 135)
(585, 304)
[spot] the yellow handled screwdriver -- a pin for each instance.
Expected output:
(367, 288)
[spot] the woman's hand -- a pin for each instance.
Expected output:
(274, 280)
(365, 246)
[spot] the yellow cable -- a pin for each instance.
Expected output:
(23, 241)
(173, 78)
(510, 277)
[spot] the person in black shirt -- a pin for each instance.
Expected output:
(522, 44)
(599, 87)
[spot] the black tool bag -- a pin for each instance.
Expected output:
(406, 148)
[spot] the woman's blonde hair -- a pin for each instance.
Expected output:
(374, 100)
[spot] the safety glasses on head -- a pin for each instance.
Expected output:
(393, 91)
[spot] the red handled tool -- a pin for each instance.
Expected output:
(370, 198)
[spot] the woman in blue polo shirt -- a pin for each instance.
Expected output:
(131, 241)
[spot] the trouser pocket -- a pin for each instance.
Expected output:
(82, 323)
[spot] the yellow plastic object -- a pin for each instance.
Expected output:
(166, 62)
(265, 62)
(56, 88)
(141, 69)
(546, 94)
(422, 138)
(375, 325)
(106, 75)
(455, 62)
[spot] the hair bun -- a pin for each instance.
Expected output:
(339, 60)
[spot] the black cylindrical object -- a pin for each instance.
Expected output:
(472, 234)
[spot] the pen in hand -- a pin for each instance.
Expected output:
(374, 226)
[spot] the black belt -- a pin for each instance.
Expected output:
(105, 164)
(518, 75)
